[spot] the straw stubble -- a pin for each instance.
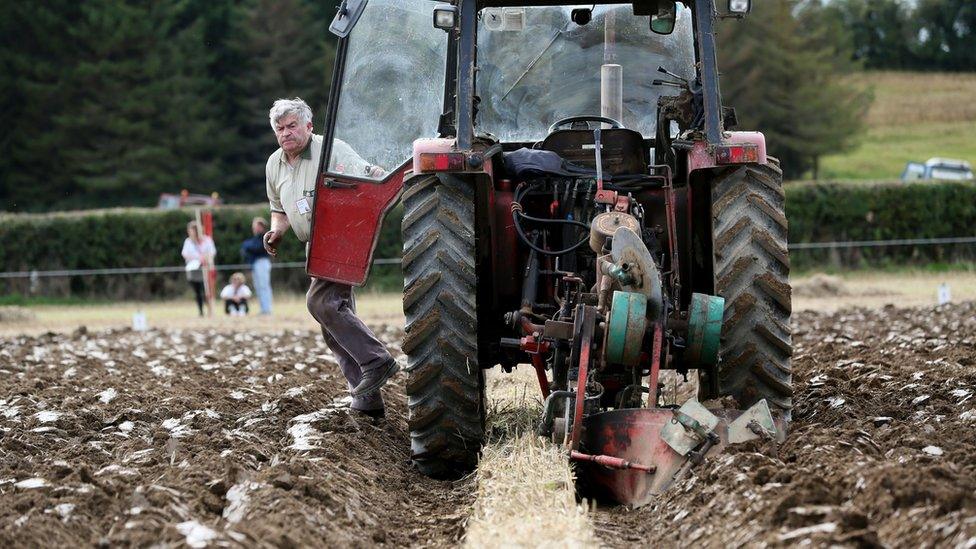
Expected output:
(525, 495)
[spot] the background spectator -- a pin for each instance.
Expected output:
(253, 253)
(198, 253)
(235, 295)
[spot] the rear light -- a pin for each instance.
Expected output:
(442, 162)
(737, 154)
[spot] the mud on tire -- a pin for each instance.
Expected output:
(445, 385)
(752, 269)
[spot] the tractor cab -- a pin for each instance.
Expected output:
(463, 77)
(509, 71)
(574, 198)
(543, 65)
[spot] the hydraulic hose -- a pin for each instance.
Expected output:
(525, 239)
(517, 214)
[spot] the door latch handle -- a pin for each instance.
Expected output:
(333, 184)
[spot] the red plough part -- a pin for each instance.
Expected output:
(611, 462)
(634, 436)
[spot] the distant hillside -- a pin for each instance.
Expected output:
(915, 116)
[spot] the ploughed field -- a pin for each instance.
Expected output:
(881, 451)
(223, 438)
(131, 438)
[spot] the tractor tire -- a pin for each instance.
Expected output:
(751, 268)
(445, 384)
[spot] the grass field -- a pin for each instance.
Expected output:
(914, 117)
(906, 288)
(289, 313)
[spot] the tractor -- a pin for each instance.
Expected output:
(575, 199)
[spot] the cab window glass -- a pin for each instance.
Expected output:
(392, 88)
(536, 66)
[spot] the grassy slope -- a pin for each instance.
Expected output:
(915, 116)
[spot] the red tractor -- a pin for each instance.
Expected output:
(575, 200)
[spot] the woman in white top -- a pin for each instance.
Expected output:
(198, 252)
(235, 295)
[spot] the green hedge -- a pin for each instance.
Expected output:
(151, 238)
(839, 212)
(143, 238)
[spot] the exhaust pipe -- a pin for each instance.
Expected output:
(612, 92)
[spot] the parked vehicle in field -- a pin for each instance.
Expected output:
(168, 201)
(947, 169)
(577, 201)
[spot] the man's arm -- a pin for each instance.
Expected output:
(279, 226)
(346, 160)
(279, 221)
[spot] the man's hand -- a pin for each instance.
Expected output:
(279, 226)
(271, 240)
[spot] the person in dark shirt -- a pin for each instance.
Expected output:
(253, 253)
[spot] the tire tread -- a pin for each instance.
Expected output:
(752, 273)
(445, 389)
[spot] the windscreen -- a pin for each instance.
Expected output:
(537, 66)
(392, 89)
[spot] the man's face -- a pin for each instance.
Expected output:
(292, 134)
(258, 228)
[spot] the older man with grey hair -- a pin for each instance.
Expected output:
(291, 174)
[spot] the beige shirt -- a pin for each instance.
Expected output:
(291, 189)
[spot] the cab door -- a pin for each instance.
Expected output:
(387, 91)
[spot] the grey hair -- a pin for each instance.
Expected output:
(285, 107)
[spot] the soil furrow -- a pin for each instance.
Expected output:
(126, 438)
(881, 451)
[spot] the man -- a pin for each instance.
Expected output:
(254, 254)
(291, 174)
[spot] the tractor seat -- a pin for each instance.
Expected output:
(624, 151)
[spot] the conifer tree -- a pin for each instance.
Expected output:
(287, 56)
(217, 22)
(946, 31)
(120, 106)
(787, 80)
(111, 102)
(142, 106)
(192, 118)
(36, 57)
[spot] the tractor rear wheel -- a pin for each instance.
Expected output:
(751, 268)
(445, 385)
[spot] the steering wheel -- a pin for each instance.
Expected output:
(585, 118)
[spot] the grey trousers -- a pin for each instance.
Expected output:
(356, 348)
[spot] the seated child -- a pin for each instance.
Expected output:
(235, 295)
